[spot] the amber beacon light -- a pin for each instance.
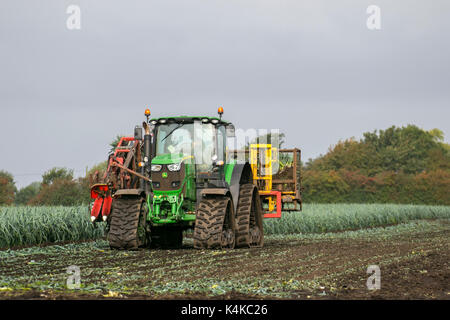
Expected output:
(147, 113)
(220, 112)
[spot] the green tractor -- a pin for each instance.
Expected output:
(172, 176)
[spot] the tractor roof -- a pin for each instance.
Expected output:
(188, 119)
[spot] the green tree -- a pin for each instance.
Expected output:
(438, 135)
(324, 187)
(59, 188)
(56, 174)
(26, 194)
(7, 188)
(408, 149)
(405, 148)
(62, 192)
(396, 165)
(350, 155)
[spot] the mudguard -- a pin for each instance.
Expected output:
(242, 173)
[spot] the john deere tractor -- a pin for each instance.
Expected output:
(174, 175)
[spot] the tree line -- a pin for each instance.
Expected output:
(58, 187)
(396, 165)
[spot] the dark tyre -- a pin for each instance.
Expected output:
(215, 224)
(249, 218)
(128, 229)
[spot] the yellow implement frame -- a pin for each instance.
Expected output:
(262, 169)
(263, 158)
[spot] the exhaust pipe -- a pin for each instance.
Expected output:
(147, 142)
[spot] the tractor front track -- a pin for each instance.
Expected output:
(125, 227)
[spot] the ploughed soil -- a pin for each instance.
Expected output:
(413, 262)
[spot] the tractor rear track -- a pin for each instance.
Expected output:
(209, 232)
(249, 229)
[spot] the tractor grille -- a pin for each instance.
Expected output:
(173, 180)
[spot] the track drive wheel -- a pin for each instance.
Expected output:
(128, 229)
(249, 218)
(215, 224)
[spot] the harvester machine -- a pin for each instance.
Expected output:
(176, 174)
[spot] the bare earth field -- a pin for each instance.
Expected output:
(413, 258)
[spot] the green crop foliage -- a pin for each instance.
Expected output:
(21, 226)
(322, 218)
(37, 225)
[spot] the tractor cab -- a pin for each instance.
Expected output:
(199, 142)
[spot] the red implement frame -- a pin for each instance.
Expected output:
(100, 192)
(279, 205)
(102, 200)
(118, 150)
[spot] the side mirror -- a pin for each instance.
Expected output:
(138, 133)
(230, 131)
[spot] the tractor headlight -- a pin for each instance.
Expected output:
(174, 167)
(156, 167)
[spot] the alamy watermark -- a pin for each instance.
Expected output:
(74, 278)
(374, 281)
(73, 21)
(374, 20)
(198, 140)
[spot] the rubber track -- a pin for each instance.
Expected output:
(209, 223)
(124, 223)
(243, 223)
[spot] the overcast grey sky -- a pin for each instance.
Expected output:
(311, 68)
